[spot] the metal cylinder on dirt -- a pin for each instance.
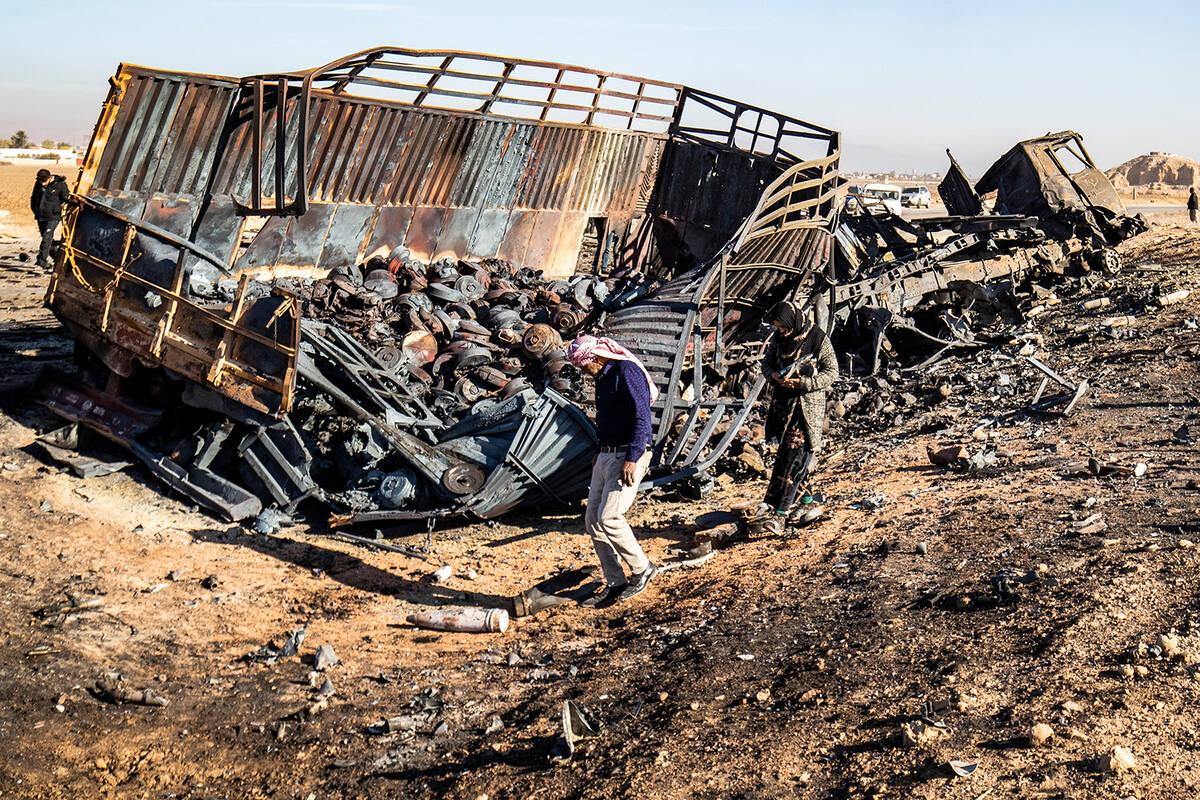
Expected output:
(459, 618)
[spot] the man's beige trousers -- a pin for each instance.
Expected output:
(608, 501)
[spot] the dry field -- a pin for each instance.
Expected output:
(783, 667)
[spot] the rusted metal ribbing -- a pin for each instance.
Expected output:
(256, 145)
(280, 141)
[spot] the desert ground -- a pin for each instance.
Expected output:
(956, 608)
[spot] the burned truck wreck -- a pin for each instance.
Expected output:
(348, 288)
(918, 289)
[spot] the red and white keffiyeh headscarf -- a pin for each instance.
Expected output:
(586, 348)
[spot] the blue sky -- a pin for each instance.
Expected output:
(902, 81)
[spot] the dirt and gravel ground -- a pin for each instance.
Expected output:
(780, 668)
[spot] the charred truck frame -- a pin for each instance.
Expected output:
(350, 285)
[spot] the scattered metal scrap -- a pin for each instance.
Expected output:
(1075, 391)
(915, 290)
(349, 287)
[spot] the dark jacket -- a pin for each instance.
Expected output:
(623, 408)
(46, 202)
(811, 360)
(1193, 202)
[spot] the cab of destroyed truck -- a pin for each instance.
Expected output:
(1053, 178)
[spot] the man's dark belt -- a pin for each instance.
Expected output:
(619, 449)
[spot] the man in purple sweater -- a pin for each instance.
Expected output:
(624, 393)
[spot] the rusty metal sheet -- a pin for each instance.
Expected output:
(957, 193)
(347, 232)
(491, 228)
(456, 233)
(170, 214)
(516, 240)
(565, 255)
(390, 228)
(218, 230)
(305, 238)
(425, 230)
(543, 239)
(263, 251)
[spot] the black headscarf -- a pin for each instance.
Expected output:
(791, 316)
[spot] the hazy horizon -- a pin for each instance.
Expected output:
(902, 83)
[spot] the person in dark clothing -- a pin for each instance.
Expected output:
(1193, 204)
(624, 394)
(800, 363)
(46, 202)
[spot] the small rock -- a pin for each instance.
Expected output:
(442, 573)
(316, 708)
(1126, 670)
(512, 660)
(1040, 734)
(1077, 735)
(1186, 544)
(268, 522)
(1072, 707)
(874, 501)
(1142, 670)
(662, 697)
(210, 583)
(496, 724)
(325, 658)
(917, 734)
(1169, 643)
(946, 455)
(922, 548)
(763, 695)
(326, 688)
(471, 574)
(753, 461)
(46, 506)
(694, 706)
(441, 730)
(1119, 761)
(174, 575)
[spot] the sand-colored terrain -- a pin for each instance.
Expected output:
(1030, 592)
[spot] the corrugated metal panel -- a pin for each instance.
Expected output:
(447, 168)
(164, 136)
(550, 457)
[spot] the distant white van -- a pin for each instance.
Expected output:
(874, 196)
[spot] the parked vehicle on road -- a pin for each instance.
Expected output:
(874, 197)
(916, 197)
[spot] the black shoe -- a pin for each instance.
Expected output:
(638, 583)
(603, 598)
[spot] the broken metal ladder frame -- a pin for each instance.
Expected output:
(1075, 392)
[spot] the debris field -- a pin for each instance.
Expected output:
(997, 601)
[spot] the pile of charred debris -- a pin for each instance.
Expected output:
(400, 387)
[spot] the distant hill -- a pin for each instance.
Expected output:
(1155, 169)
